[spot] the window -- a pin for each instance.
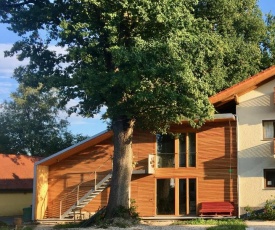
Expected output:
(269, 175)
(187, 150)
(186, 144)
(166, 196)
(176, 196)
(165, 151)
(268, 129)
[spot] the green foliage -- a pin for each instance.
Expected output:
(269, 210)
(30, 125)
(3, 223)
(228, 227)
(66, 225)
(267, 213)
(250, 213)
(10, 227)
(152, 61)
(201, 221)
(268, 46)
(123, 217)
(218, 224)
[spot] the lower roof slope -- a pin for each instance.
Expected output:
(16, 171)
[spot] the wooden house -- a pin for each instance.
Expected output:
(229, 159)
(173, 175)
(16, 183)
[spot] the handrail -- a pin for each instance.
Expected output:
(78, 185)
(86, 180)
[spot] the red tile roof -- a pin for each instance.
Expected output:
(16, 171)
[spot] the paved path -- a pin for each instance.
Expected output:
(165, 225)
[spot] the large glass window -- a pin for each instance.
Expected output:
(182, 150)
(269, 175)
(187, 150)
(268, 129)
(166, 196)
(192, 196)
(166, 151)
(182, 196)
(172, 196)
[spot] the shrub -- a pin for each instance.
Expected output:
(269, 211)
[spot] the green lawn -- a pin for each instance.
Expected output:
(224, 224)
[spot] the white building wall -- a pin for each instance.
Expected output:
(255, 154)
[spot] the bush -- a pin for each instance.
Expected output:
(269, 211)
(123, 218)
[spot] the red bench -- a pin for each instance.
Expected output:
(216, 208)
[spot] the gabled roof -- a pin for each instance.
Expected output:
(75, 148)
(243, 87)
(16, 171)
(220, 98)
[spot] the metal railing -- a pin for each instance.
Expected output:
(166, 160)
(72, 197)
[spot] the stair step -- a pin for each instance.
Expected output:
(88, 197)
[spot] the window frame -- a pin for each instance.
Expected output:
(264, 128)
(187, 150)
(178, 152)
(266, 186)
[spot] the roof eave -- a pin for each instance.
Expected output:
(75, 148)
(243, 87)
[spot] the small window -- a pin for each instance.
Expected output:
(269, 175)
(268, 129)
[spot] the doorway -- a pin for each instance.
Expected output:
(176, 196)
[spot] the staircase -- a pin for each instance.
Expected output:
(87, 198)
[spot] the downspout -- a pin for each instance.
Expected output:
(238, 175)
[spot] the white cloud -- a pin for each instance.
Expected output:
(8, 64)
(78, 124)
(7, 67)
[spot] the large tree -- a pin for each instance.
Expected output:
(30, 124)
(268, 45)
(150, 62)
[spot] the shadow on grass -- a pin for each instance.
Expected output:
(228, 227)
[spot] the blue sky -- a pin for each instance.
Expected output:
(85, 126)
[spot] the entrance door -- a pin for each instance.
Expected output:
(176, 196)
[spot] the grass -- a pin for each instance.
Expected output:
(67, 225)
(225, 224)
(13, 227)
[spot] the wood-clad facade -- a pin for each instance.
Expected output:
(174, 175)
(212, 177)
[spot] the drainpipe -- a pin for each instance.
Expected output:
(238, 176)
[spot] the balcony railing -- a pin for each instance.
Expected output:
(166, 160)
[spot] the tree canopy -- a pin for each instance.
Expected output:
(141, 59)
(30, 125)
(151, 63)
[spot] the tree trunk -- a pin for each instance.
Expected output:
(122, 165)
